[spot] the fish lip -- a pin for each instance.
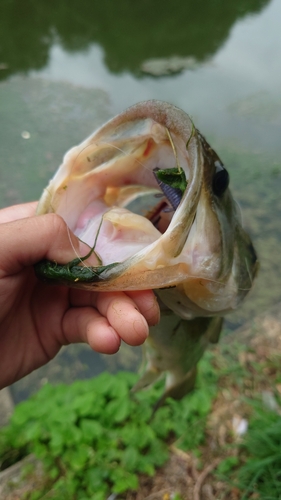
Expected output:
(183, 219)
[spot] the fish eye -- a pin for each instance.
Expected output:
(220, 180)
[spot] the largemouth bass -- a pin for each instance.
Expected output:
(188, 243)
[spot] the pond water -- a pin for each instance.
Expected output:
(65, 69)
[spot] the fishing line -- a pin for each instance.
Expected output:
(92, 249)
(71, 243)
(127, 154)
(248, 270)
(174, 150)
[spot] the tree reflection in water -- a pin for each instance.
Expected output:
(129, 32)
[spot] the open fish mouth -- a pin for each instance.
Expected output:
(188, 232)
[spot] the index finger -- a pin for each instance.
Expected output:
(124, 316)
(16, 212)
(144, 300)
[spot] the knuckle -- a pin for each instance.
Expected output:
(56, 222)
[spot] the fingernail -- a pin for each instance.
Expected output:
(141, 327)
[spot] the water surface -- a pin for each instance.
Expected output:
(66, 69)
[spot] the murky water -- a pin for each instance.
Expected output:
(65, 69)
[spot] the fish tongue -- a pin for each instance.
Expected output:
(90, 217)
(118, 234)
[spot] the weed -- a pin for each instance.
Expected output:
(94, 437)
(261, 472)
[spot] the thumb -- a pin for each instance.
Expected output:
(26, 241)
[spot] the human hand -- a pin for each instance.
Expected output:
(37, 319)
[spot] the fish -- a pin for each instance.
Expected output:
(151, 199)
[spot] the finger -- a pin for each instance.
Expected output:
(85, 324)
(27, 241)
(16, 212)
(124, 316)
(147, 304)
(145, 300)
(120, 310)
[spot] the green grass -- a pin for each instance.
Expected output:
(261, 472)
(255, 467)
(94, 438)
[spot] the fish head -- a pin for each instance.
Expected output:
(189, 245)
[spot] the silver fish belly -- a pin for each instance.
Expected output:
(189, 246)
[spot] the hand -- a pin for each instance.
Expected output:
(37, 319)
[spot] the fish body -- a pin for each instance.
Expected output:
(190, 246)
(174, 347)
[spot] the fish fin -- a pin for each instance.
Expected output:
(178, 391)
(148, 378)
(214, 335)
